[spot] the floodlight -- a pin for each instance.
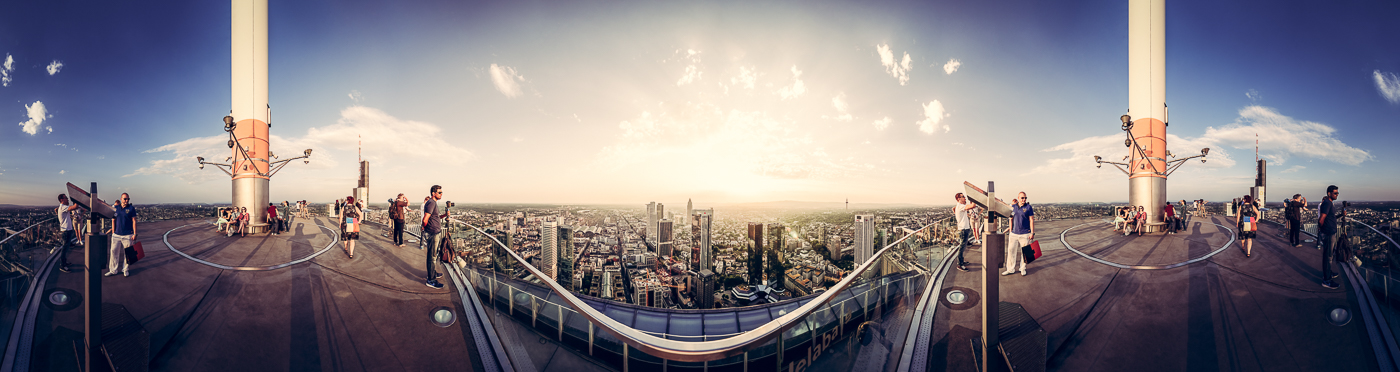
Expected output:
(230, 143)
(1128, 142)
(308, 152)
(201, 162)
(229, 124)
(1127, 122)
(1204, 151)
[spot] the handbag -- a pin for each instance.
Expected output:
(1031, 252)
(134, 253)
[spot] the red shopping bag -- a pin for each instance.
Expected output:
(1031, 252)
(134, 253)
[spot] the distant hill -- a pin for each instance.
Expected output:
(796, 204)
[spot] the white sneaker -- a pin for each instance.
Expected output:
(126, 273)
(110, 273)
(1007, 272)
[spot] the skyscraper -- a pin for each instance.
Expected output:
(651, 222)
(755, 253)
(777, 234)
(549, 249)
(700, 239)
(565, 265)
(655, 222)
(865, 237)
(689, 210)
(665, 233)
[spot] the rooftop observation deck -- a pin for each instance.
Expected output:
(295, 302)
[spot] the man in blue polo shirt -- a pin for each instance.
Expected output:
(1022, 233)
(123, 234)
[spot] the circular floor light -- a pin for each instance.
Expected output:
(58, 298)
(957, 297)
(443, 317)
(1339, 317)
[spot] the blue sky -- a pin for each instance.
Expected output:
(629, 102)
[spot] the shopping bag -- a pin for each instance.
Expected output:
(134, 253)
(1031, 252)
(1249, 226)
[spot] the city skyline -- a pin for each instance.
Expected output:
(721, 102)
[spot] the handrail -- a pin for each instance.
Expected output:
(697, 351)
(2, 241)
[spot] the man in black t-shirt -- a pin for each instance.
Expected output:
(1327, 231)
(1293, 210)
(432, 232)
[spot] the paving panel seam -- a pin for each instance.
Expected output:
(1147, 267)
(166, 238)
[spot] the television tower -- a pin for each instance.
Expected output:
(1145, 124)
(250, 117)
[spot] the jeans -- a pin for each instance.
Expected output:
(1328, 250)
(433, 241)
(68, 236)
(398, 231)
(962, 245)
(1295, 226)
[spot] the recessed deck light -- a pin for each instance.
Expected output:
(443, 317)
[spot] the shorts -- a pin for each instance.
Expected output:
(350, 236)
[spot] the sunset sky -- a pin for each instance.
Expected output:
(637, 101)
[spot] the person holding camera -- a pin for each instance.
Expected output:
(432, 232)
(396, 211)
(1327, 215)
(1293, 210)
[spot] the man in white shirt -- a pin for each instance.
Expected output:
(962, 214)
(65, 223)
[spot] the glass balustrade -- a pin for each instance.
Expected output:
(872, 297)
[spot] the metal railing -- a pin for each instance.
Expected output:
(703, 350)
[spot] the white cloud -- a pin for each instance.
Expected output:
(1294, 169)
(66, 172)
(842, 108)
(933, 114)
(357, 97)
(882, 123)
(49, 128)
(6, 69)
(37, 115)
(1389, 85)
(387, 141)
(952, 66)
(1280, 138)
(1252, 95)
(506, 80)
(692, 71)
(899, 70)
(796, 89)
(53, 67)
(747, 76)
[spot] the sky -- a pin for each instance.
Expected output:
(719, 102)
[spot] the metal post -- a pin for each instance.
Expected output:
(92, 286)
(992, 245)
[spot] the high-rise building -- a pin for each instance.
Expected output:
(755, 242)
(705, 299)
(865, 237)
(689, 210)
(655, 227)
(549, 249)
(700, 239)
(777, 234)
(665, 232)
(565, 266)
(651, 222)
